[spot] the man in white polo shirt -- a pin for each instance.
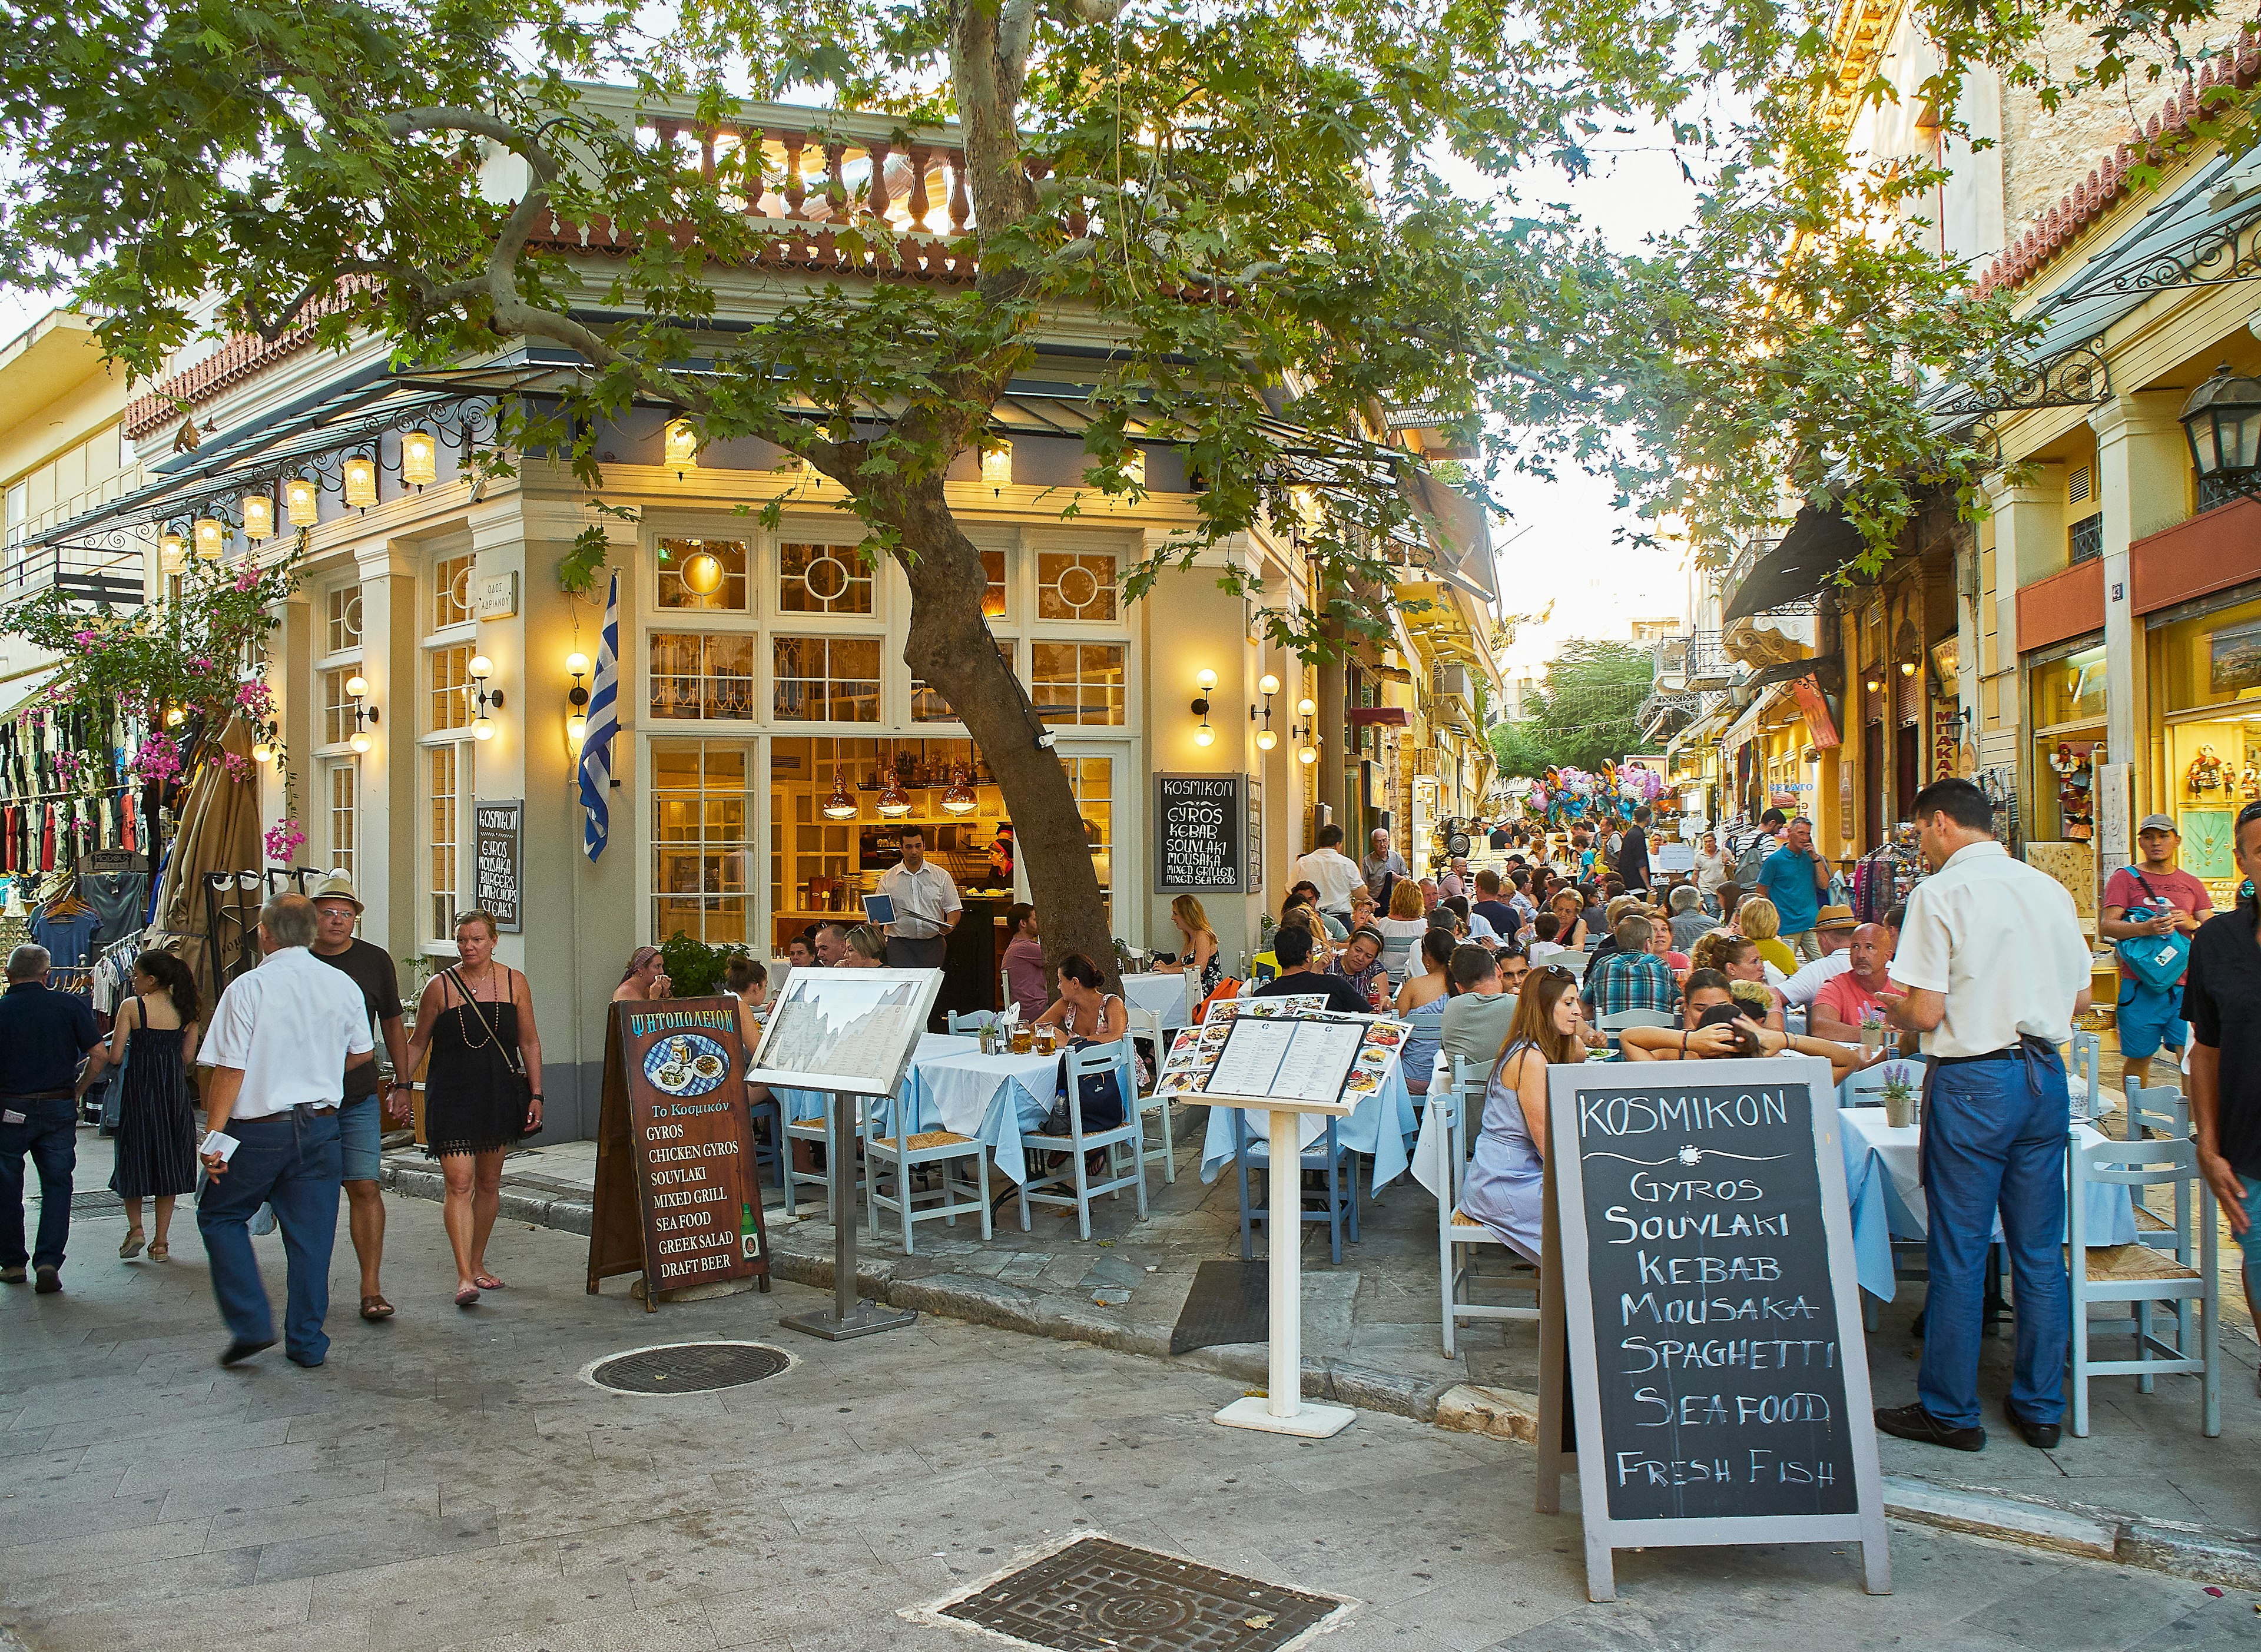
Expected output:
(280, 1040)
(927, 907)
(1995, 967)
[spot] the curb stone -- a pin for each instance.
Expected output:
(2232, 1560)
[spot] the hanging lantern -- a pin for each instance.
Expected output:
(703, 572)
(997, 465)
(212, 537)
(420, 458)
(895, 802)
(361, 483)
(840, 805)
(959, 799)
(258, 517)
(682, 447)
(172, 552)
(301, 497)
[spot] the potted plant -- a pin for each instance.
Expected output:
(1872, 1032)
(1899, 1096)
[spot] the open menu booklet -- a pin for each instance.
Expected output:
(1290, 1048)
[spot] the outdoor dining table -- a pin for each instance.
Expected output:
(1378, 1127)
(995, 1099)
(1160, 991)
(1884, 1191)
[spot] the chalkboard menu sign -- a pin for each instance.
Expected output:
(1199, 831)
(1716, 1365)
(498, 862)
(677, 1193)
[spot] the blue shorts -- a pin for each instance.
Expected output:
(2250, 1240)
(2150, 1017)
(361, 1133)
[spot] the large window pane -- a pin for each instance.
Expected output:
(445, 864)
(701, 843)
(1077, 682)
(450, 670)
(828, 679)
(1077, 585)
(702, 674)
(678, 556)
(451, 592)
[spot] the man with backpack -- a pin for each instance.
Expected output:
(2150, 911)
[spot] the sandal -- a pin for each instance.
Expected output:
(468, 1296)
(374, 1308)
(488, 1282)
(160, 1251)
(131, 1247)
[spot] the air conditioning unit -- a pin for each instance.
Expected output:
(1450, 681)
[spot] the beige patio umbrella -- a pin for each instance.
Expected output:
(218, 830)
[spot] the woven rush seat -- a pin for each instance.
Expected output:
(2150, 1224)
(928, 1138)
(1461, 1218)
(2128, 1262)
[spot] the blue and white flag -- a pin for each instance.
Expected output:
(603, 723)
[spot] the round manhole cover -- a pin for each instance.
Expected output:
(687, 1368)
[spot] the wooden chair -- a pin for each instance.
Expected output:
(1458, 1235)
(2142, 1275)
(1146, 1023)
(906, 1156)
(1326, 1153)
(1072, 1188)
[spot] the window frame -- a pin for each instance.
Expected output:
(434, 640)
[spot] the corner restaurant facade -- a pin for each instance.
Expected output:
(761, 675)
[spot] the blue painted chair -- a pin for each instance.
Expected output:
(1327, 1153)
(772, 1152)
(1072, 1187)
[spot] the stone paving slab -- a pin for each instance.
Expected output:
(469, 1492)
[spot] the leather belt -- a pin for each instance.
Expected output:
(40, 1096)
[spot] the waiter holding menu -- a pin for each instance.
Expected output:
(927, 907)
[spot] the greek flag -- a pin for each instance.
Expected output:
(604, 723)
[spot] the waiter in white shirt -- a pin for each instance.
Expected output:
(1330, 871)
(280, 1040)
(1996, 1114)
(927, 907)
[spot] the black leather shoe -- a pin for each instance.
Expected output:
(50, 1280)
(239, 1351)
(2040, 1436)
(1913, 1422)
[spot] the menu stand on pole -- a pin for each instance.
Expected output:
(849, 1315)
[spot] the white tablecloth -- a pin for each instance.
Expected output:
(1885, 1191)
(1161, 992)
(995, 1099)
(1378, 1126)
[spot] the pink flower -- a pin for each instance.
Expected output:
(255, 698)
(158, 759)
(86, 637)
(199, 665)
(236, 764)
(285, 838)
(248, 578)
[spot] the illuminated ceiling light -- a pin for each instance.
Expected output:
(212, 537)
(840, 805)
(258, 517)
(997, 466)
(895, 802)
(682, 447)
(703, 572)
(420, 458)
(301, 497)
(361, 483)
(959, 799)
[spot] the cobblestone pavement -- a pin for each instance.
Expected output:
(449, 1479)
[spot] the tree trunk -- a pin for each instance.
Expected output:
(949, 646)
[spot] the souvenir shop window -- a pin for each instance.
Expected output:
(2213, 660)
(1077, 682)
(344, 618)
(451, 592)
(706, 574)
(2070, 692)
(702, 840)
(451, 689)
(1077, 585)
(827, 679)
(702, 674)
(823, 579)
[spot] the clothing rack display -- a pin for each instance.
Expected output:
(1882, 878)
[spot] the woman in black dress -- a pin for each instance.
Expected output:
(477, 1019)
(154, 1034)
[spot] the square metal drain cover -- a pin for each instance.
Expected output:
(1097, 1595)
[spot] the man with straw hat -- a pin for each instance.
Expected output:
(361, 1126)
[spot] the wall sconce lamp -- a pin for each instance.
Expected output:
(364, 714)
(1205, 680)
(483, 726)
(576, 699)
(997, 465)
(420, 458)
(361, 481)
(1267, 737)
(682, 447)
(262, 749)
(1307, 751)
(302, 497)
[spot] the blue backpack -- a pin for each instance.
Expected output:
(2157, 961)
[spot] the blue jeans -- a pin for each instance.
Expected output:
(1994, 1138)
(49, 1133)
(290, 1161)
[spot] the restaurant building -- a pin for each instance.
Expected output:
(773, 744)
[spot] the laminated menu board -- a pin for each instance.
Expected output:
(1290, 1048)
(1699, 1262)
(677, 1193)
